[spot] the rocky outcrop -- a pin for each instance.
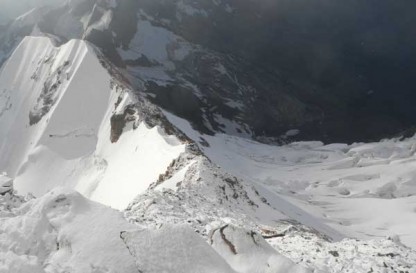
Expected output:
(6, 184)
(247, 251)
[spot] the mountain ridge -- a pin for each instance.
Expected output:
(111, 136)
(219, 95)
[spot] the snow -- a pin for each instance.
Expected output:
(141, 155)
(157, 44)
(11, 8)
(248, 252)
(71, 145)
(187, 252)
(156, 74)
(101, 24)
(172, 183)
(229, 9)
(230, 126)
(190, 10)
(196, 210)
(348, 255)
(28, 18)
(201, 197)
(292, 132)
(63, 232)
(161, 47)
(362, 191)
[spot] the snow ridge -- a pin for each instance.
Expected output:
(45, 133)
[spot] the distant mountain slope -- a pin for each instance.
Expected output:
(11, 9)
(133, 106)
(256, 68)
(363, 190)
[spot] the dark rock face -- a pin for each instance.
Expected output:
(339, 71)
(49, 94)
(336, 70)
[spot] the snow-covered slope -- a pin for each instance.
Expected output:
(362, 190)
(58, 113)
(68, 118)
(234, 250)
(203, 196)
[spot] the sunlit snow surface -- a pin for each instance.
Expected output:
(62, 232)
(363, 191)
(56, 106)
(68, 93)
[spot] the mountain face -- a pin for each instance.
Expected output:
(255, 68)
(43, 132)
(139, 136)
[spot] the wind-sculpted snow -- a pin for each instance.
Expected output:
(63, 232)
